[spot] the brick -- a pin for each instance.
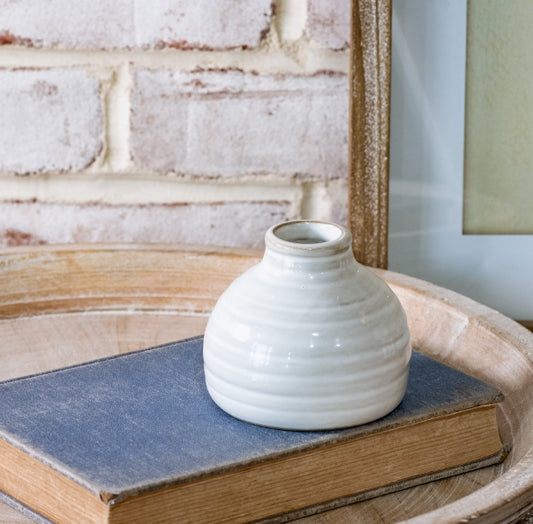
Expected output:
(108, 24)
(51, 120)
(337, 198)
(61, 23)
(204, 24)
(225, 224)
(328, 22)
(230, 123)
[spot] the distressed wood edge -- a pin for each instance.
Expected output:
(528, 324)
(78, 277)
(128, 246)
(487, 318)
(508, 496)
(368, 185)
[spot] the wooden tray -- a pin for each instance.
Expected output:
(64, 305)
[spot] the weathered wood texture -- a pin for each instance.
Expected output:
(369, 130)
(61, 306)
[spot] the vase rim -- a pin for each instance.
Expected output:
(311, 237)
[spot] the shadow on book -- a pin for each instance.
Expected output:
(136, 438)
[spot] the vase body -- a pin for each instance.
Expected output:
(308, 339)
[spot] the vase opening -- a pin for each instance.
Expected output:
(308, 232)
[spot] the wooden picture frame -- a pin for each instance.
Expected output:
(368, 201)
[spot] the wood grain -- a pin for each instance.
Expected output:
(369, 130)
(76, 500)
(71, 304)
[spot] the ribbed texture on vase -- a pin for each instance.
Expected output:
(299, 347)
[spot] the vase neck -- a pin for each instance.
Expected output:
(308, 239)
(308, 246)
(276, 261)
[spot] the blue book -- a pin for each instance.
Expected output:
(136, 438)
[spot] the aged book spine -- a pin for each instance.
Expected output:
(328, 476)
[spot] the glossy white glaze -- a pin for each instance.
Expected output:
(308, 338)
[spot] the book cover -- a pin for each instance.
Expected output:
(141, 424)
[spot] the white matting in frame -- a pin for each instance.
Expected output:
(427, 145)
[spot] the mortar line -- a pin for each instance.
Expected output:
(110, 189)
(117, 103)
(290, 20)
(285, 59)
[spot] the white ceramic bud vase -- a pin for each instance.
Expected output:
(308, 339)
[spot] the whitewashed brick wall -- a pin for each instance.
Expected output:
(170, 120)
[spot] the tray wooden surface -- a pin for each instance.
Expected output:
(62, 305)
